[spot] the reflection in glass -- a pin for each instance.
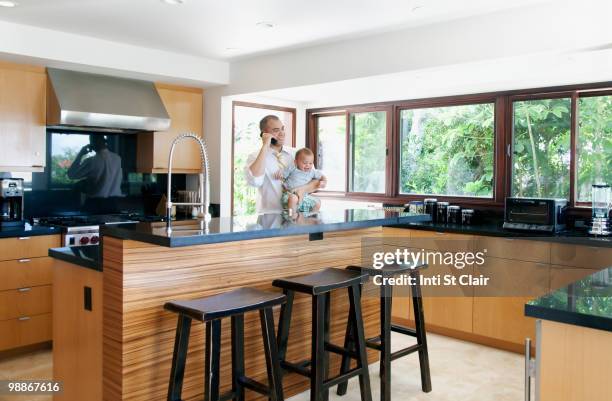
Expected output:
(541, 148)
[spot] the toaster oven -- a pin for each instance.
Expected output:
(535, 214)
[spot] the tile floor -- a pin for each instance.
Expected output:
(460, 371)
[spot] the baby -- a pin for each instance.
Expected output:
(301, 173)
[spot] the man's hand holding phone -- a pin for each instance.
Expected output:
(268, 139)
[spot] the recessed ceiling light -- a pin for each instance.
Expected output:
(265, 24)
(417, 8)
(8, 4)
(173, 2)
(231, 49)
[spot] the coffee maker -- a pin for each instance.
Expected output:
(11, 202)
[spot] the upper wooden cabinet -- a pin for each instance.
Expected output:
(184, 105)
(22, 117)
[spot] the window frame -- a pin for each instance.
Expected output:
(237, 103)
(503, 140)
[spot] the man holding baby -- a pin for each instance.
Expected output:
(282, 182)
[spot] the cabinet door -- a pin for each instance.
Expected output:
(185, 108)
(22, 117)
(591, 257)
(446, 306)
(560, 276)
(499, 307)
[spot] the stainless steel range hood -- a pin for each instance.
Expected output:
(99, 103)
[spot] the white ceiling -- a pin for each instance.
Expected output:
(207, 28)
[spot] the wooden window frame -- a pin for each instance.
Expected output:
(503, 138)
(237, 103)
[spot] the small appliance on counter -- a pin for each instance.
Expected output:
(535, 214)
(11, 202)
(602, 203)
(431, 208)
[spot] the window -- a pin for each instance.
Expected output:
(594, 150)
(472, 150)
(541, 148)
(368, 151)
(331, 154)
(447, 150)
(246, 141)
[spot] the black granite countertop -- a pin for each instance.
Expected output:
(587, 303)
(28, 230)
(495, 229)
(86, 256)
(238, 228)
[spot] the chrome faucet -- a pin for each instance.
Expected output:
(204, 202)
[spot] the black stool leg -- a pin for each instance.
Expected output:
(325, 356)
(271, 352)
(212, 359)
(238, 356)
(349, 343)
(284, 323)
(421, 335)
(364, 377)
(318, 348)
(179, 357)
(386, 293)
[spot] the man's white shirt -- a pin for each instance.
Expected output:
(269, 189)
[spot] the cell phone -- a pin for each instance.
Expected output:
(273, 141)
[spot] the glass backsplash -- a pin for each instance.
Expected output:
(93, 174)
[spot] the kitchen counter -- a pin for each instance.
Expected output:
(239, 228)
(28, 230)
(586, 302)
(495, 229)
(85, 256)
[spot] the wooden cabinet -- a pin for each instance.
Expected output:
(77, 332)
(499, 307)
(25, 290)
(22, 117)
(589, 257)
(574, 363)
(185, 107)
(520, 270)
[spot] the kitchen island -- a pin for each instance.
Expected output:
(144, 266)
(574, 340)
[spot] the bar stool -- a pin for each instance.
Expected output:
(382, 342)
(319, 286)
(211, 310)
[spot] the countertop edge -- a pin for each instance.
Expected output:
(568, 317)
(175, 242)
(58, 254)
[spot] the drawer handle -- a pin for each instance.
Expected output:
(25, 260)
(439, 233)
(24, 289)
(24, 318)
(23, 238)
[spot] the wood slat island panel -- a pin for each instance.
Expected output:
(138, 335)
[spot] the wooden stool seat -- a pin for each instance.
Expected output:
(388, 270)
(227, 304)
(321, 282)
